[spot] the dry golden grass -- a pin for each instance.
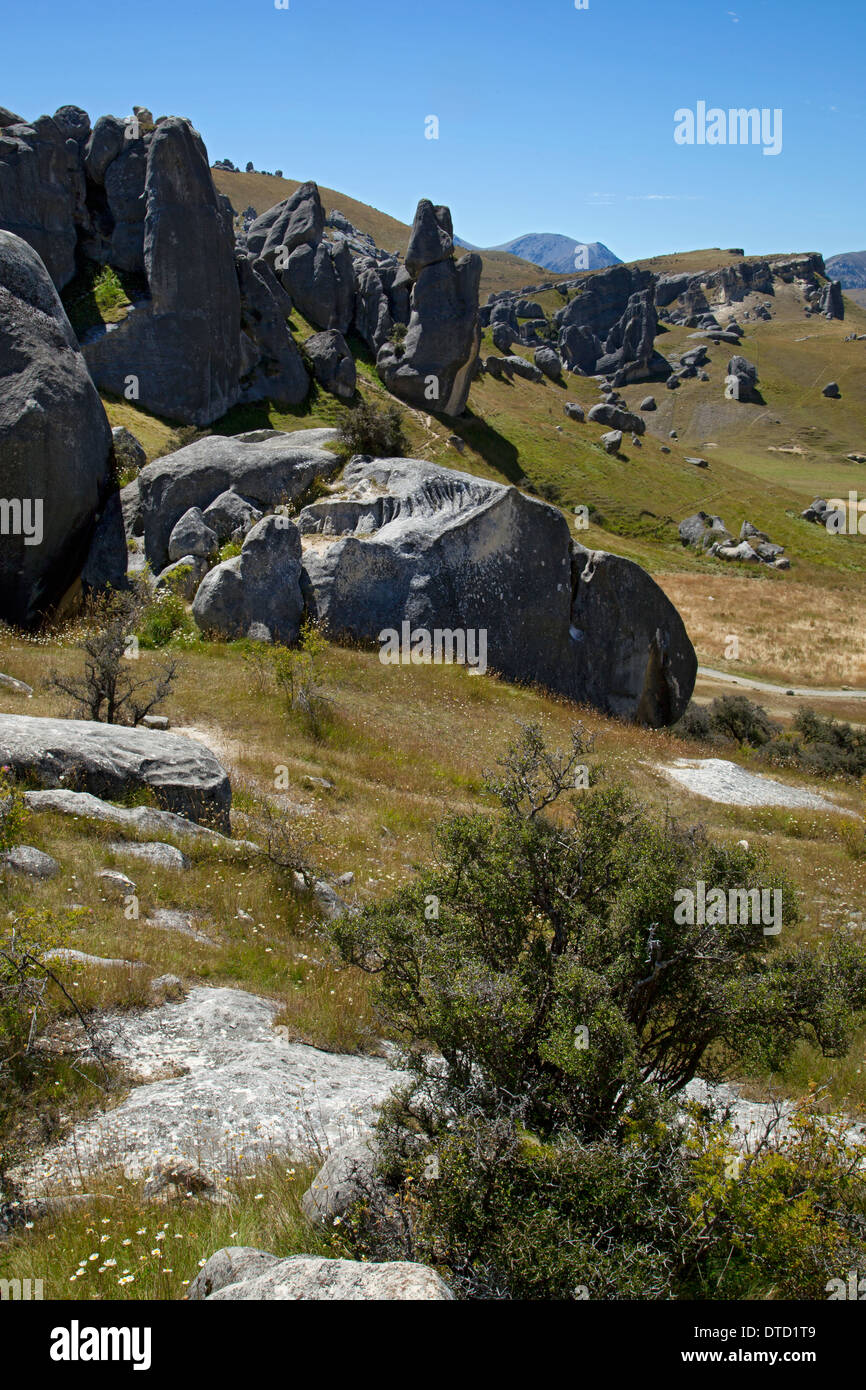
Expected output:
(791, 632)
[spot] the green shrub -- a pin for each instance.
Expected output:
(165, 619)
(367, 429)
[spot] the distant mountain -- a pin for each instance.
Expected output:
(560, 253)
(850, 268)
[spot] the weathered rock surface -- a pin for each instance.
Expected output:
(271, 364)
(42, 191)
(128, 452)
(609, 327)
(219, 1087)
(109, 760)
(191, 535)
(265, 467)
(333, 363)
(617, 418)
(742, 380)
(260, 588)
(347, 1173)
(407, 541)
(237, 1274)
(432, 368)
(29, 862)
(182, 344)
(55, 445)
(145, 820)
(155, 853)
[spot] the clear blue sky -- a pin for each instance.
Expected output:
(551, 119)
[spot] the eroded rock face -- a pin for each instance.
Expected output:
(182, 344)
(405, 541)
(432, 367)
(610, 326)
(42, 191)
(257, 591)
(271, 363)
(56, 456)
(265, 468)
(109, 760)
(237, 1274)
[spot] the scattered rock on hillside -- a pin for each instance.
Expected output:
(160, 856)
(144, 820)
(648, 403)
(742, 380)
(831, 390)
(129, 454)
(548, 362)
(347, 1173)
(55, 444)
(612, 441)
(617, 418)
(17, 687)
(239, 1274)
(574, 411)
(29, 862)
(259, 589)
(111, 760)
(113, 881)
(228, 514)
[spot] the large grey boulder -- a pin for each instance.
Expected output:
(109, 760)
(191, 535)
(271, 364)
(610, 326)
(29, 862)
(56, 459)
(703, 530)
(181, 345)
(265, 467)
(373, 321)
(333, 363)
(258, 589)
(321, 282)
(297, 221)
(617, 418)
(548, 362)
(432, 367)
(42, 192)
(742, 380)
(406, 541)
(239, 1274)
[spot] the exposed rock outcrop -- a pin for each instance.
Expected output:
(265, 467)
(240, 1274)
(433, 365)
(56, 456)
(180, 346)
(405, 541)
(109, 760)
(258, 592)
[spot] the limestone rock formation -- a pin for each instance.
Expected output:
(236, 1274)
(56, 457)
(406, 541)
(257, 591)
(265, 467)
(433, 365)
(109, 760)
(180, 346)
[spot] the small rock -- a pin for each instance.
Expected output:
(117, 882)
(166, 988)
(33, 863)
(160, 855)
(156, 721)
(831, 390)
(612, 441)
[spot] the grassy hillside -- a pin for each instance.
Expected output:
(260, 191)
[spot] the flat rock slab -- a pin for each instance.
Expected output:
(170, 919)
(66, 954)
(732, 785)
(219, 1089)
(109, 760)
(240, 1274)
(160, 856)
(146, 820)
(17, 687)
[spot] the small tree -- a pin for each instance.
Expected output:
(108, 691)
(369, 429)
(543, 958)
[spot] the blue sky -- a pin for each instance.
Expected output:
(550, 118)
